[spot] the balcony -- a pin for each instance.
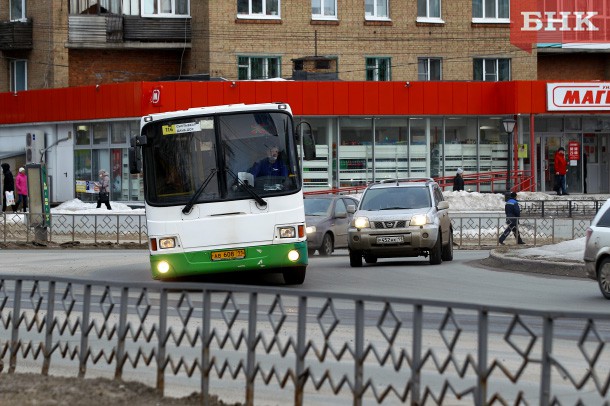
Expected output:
(115, 31)
(15, 35)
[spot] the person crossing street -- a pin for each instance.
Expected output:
(513, 212)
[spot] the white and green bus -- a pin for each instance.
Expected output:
(223, 190)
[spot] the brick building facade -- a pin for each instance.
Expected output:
(65, 51)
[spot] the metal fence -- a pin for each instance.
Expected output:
(481, 231)
(261, 345)
(70, 228)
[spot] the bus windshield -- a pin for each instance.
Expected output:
(220, 157)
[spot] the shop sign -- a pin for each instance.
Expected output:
(573, 150)
(155, 96)
(558, 22)
(577, 96)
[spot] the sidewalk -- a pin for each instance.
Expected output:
(562, 259)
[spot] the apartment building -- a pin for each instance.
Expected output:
(54, 43)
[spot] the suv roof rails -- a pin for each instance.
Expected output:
(420, 179)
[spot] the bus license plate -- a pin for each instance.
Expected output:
(229, 254)
(393, 239)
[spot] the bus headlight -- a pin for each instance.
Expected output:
(311, 229)
(169, 242)
(361, 222)
(287, 232)
(163, 267)
(419, 220)
(293, 255)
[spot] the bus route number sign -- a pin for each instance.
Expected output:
(228, 254)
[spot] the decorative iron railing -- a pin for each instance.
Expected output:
(263, 345)
(480, 231)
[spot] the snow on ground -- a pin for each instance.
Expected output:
(77, 205)
(572, 250)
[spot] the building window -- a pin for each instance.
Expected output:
(378, 69)
(429, 69)
(324, 9)
(162, 8)
(258, 67)
(258, 8)
(376, 9)
(491, 11)
(492, 70)
(18, 70)
(428, 10)
(17, 10)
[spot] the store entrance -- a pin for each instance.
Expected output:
(545, 155)
(597, 158)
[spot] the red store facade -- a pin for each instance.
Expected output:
(365, 131)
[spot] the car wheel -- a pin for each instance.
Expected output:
(327, 245)
(603, 277)
(436, 253)
(355, 259)
(294, 275)
(370, 259)
(311, 252)
(448, 248)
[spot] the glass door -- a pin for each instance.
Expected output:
(549, 144)
(546, 149)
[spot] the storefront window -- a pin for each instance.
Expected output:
(419, 156)
(355, 152)
(437, 148)
(121, 132)
(321, 173)
(493, 148)
(460, 145)
(92, 153)
(82, 164)
(82, 135)
(391, 148)
(572, 123)
(100, 133)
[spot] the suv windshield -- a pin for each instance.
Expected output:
(396, 198)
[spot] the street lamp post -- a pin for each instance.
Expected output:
(509, 127)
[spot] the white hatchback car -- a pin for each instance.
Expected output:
(597, 249)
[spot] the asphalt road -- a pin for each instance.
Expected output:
(463, 280)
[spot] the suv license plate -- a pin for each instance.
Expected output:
(229, 254)
(394, 239)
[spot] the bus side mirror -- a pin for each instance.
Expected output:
(309, 143)
(135, 160)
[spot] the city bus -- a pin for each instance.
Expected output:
(223, 190)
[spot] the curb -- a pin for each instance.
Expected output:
(503, 259)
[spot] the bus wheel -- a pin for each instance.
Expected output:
(294, 276)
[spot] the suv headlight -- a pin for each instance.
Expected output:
(419, 220)
(361, 222)
(310, 229)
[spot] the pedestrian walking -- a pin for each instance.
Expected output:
(561, 169)
(8, 184)
(513, 212)
(21, 187)
(458, 180)
(104, 191)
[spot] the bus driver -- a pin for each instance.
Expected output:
(270, 166)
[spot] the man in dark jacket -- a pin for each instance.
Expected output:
(8, 184)
(458, 180)
(513, 212)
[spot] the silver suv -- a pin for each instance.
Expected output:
(401, 218)
(597, 249)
